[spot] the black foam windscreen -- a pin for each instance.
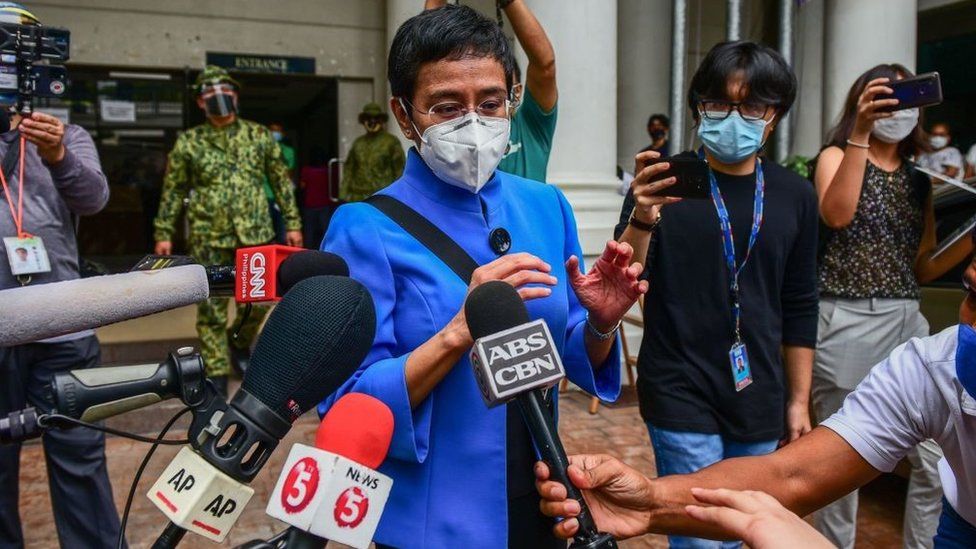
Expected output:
(299, 266)
(313, 341)
(493, 307)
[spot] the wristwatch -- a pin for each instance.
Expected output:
(640, 225)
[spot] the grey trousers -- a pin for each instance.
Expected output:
(81, 495)
(853, 336)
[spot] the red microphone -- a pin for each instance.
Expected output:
(333, 490)
(256, 269)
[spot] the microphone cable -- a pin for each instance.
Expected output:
(44, 421)
(142, 467)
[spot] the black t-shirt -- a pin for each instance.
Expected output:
(684, 376)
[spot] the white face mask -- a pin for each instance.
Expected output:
(938, 141)
(897, 127)
(465, 152)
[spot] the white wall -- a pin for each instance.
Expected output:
(643, 72)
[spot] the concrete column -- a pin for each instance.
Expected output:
(397, 11)
(860, 34)
(584, 155)
(643, 71)
(807, 115)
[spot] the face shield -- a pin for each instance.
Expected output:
(219, 100)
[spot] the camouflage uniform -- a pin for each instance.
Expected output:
(374, 161)
(225, 169)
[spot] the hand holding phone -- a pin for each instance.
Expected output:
(690, 175)
(919, 91)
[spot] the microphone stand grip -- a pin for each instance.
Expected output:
(170, 537)
(546, 438)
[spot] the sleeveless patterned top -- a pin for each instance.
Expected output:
(874, 256)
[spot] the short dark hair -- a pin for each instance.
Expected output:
(449, 32)
(837, 136)
(663, 119)
(766, 75)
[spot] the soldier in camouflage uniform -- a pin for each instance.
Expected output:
(375, 160)
(222, 165)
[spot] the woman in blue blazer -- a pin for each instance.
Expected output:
(462, 473)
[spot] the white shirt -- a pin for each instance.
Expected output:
(938, 160)
(911, 396)
(971, 156)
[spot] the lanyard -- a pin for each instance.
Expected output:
(18, 213)
(728, 241)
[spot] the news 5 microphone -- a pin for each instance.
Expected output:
(333, 491)
(41, 311)
(312, 342)
(515, 358)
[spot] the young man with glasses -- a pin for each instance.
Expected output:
(731, 315)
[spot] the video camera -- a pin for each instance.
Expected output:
(30, 64)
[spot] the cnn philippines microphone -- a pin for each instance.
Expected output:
(515, 358)
(333, 491)
(313, 342)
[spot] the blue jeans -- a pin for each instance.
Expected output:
(677, 452)
(954, 532)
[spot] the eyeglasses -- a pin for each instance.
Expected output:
(493, 107)
(720, 110)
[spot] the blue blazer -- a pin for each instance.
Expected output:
(447, 458)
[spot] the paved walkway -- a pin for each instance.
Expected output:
(617, 431)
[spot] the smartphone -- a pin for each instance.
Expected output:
(919, 91)
(691, 176)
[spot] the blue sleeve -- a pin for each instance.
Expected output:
(354, 236)
(604, 379)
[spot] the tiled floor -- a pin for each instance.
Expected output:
(617, 431)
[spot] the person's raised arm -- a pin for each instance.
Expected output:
(840, 172)
(644, 202)
(540, 75)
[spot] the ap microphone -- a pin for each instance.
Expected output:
(333, 491)
(312, 343)
(41, 311)
(515, 358)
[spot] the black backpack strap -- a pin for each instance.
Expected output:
(436, 240)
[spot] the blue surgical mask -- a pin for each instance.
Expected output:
(276, 136)
(733, 139)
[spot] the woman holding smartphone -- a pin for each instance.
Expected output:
(877, 247)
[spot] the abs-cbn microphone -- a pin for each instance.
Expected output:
(333, 491)
(515, 358)
(41, 311)
(312, 342)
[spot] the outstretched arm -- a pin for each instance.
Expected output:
(805, 475)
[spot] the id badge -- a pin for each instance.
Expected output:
(26, 255)
(741, 372)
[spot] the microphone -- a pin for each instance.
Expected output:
(94, 394)
(312, 343)
(158, 284)
(41, 311)
(333, 491)
(267, 272)
(515, 358)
